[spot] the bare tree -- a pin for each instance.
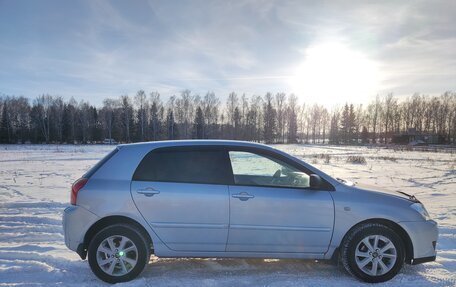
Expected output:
(374, 109)
(269, 115)
(324, 123)
(57, 112)
(280, 99)
(184, 111)
(126, 114)
(156, 115)
(72, 110)
(256, 117)
(210, 105)
(269, 119)
(292, 111)
(141, 102)
(44, 104)
(302, 118)
(107, 115)
(315, 117)
(389, 103)
(231, 105)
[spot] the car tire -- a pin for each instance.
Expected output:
(372, 252)
(118, 253)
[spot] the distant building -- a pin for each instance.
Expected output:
(109, 141)
(412, 137)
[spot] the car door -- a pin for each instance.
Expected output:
(272, 208)
(182, 193)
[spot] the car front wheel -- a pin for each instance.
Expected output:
(373, 252)
(118, 253)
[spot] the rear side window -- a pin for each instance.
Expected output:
(210, 166)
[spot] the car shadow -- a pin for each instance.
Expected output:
(271, 272)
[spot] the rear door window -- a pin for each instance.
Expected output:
(183, 164)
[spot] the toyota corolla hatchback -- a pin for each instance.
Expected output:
(237, 199)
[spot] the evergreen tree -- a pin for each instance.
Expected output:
(269, 120)
(198, 126)
(155, 123)
(334, 129)
(348, 124)
(4, 125)
(345, 124)
(97, 130)
(292, 127)
(36, 125)
(364, 135)
(352, 132)
(127, 119)
(237, 123)
(171, 128)
(66, 125)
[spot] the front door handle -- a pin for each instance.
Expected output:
(243, 196)
(148, 191)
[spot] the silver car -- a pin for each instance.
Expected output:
(237, 199)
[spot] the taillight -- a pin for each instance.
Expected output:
(75, 188)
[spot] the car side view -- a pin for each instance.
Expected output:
(208, 198)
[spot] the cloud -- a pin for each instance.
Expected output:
(96, 49)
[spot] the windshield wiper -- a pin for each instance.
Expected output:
(410, 196)
(346, 182)
(341, 180)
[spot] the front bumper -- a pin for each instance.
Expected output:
(423, 235)
(76, 221)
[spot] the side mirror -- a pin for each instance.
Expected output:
(315, 181)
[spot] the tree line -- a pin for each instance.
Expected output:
(272, 118)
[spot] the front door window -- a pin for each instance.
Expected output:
(259, 170)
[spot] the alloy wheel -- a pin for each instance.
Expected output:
(117, 255)
(375, 255)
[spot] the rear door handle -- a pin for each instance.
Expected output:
(243, 196)
(148, 191)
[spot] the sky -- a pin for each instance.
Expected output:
(323, 51)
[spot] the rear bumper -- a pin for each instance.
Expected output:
(423, 235)
(76, 221)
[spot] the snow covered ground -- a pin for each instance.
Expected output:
(34, 190)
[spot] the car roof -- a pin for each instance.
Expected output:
(172, 143)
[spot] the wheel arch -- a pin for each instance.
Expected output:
(105, 222)
(395, 227)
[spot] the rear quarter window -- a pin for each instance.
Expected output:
(99, 164)
(196, 165)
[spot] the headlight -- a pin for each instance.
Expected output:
(421, 210)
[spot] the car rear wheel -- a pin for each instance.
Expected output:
(373, 253)
(118, 253)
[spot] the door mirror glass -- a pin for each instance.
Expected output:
(315, 181)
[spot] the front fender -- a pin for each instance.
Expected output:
(352, 206)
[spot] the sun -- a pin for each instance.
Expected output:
(332, 73)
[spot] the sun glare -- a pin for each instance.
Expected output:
(331, 74)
